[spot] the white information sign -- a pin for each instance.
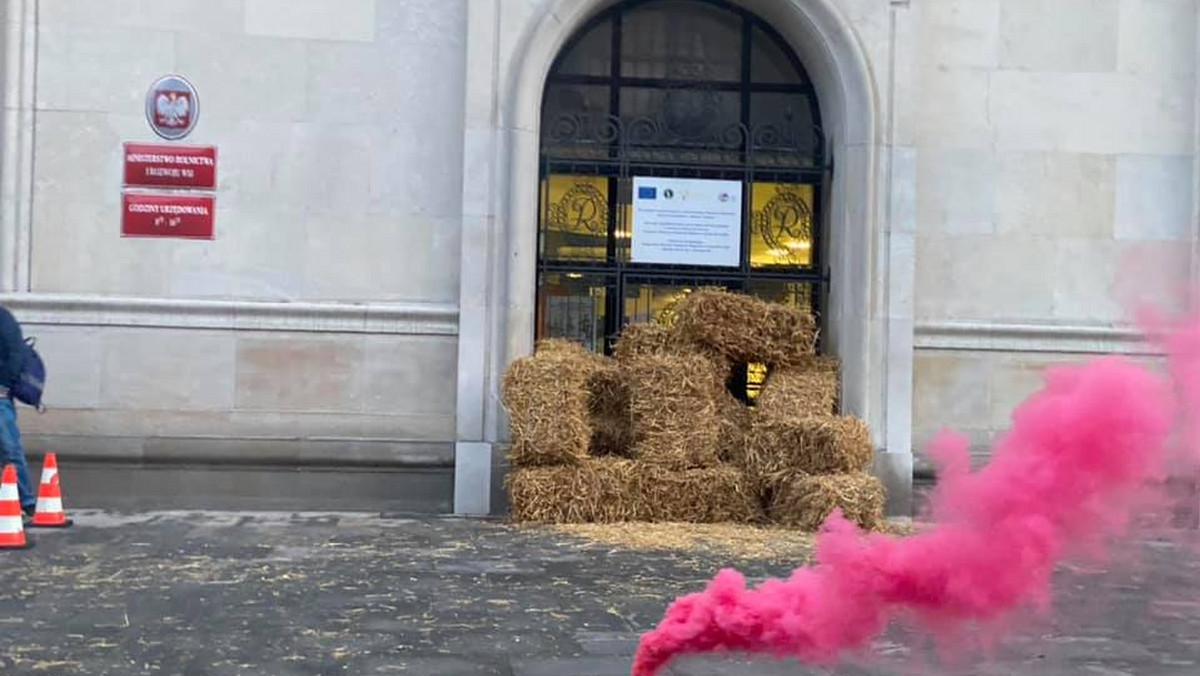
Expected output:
(681, 221)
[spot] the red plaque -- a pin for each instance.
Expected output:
(149, 165)
(180, 216)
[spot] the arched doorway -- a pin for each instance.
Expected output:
(681, 146)
(866, 307)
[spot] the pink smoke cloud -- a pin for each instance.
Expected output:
(1067, 475)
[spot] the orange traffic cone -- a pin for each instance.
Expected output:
(12, 527)
(50, 512)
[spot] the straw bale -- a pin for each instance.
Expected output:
(708, 495)
(547, 399)
(608, 406)
(821, 363)
(734, 420)
(777, 448)
(558, 346)
(806, 390)
(610, 490)
(584, 493)
(642, 339)
(806, 501)
(639, 340)
(745, 329)
(673, 406)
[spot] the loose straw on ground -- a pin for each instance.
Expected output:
(725, 540)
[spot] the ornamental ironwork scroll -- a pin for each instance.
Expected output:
(688, 132)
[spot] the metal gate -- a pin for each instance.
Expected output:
(641, 93)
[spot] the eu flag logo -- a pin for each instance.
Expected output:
(647, 193)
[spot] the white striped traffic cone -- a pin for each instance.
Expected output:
(12, 526)
(50, 512)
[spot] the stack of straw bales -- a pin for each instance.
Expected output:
(611, 440)
(804, 458)
(655, 435)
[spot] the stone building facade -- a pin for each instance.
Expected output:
(1003, 176)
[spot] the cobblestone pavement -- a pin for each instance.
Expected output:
(224, 594)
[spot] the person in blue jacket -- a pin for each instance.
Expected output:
(12, 356)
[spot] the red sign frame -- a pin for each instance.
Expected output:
(177, 216)
(156, 165)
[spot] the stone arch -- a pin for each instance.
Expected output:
(857, 313)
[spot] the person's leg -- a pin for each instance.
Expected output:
(10, 447)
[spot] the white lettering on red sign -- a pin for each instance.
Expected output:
(162, 166)
(142, 158)
(167, 209)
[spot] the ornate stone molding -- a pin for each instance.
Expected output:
(1031, 337)
(375, 318)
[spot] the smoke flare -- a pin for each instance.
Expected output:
(1066, 476)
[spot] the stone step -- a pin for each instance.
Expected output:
(136, 486)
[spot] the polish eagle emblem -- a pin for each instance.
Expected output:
(172, 109)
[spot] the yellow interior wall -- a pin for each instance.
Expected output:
(792, 245)
(790, 250)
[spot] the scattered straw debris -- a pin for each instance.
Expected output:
(56, 665)
(903, 527)
(737, 540)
